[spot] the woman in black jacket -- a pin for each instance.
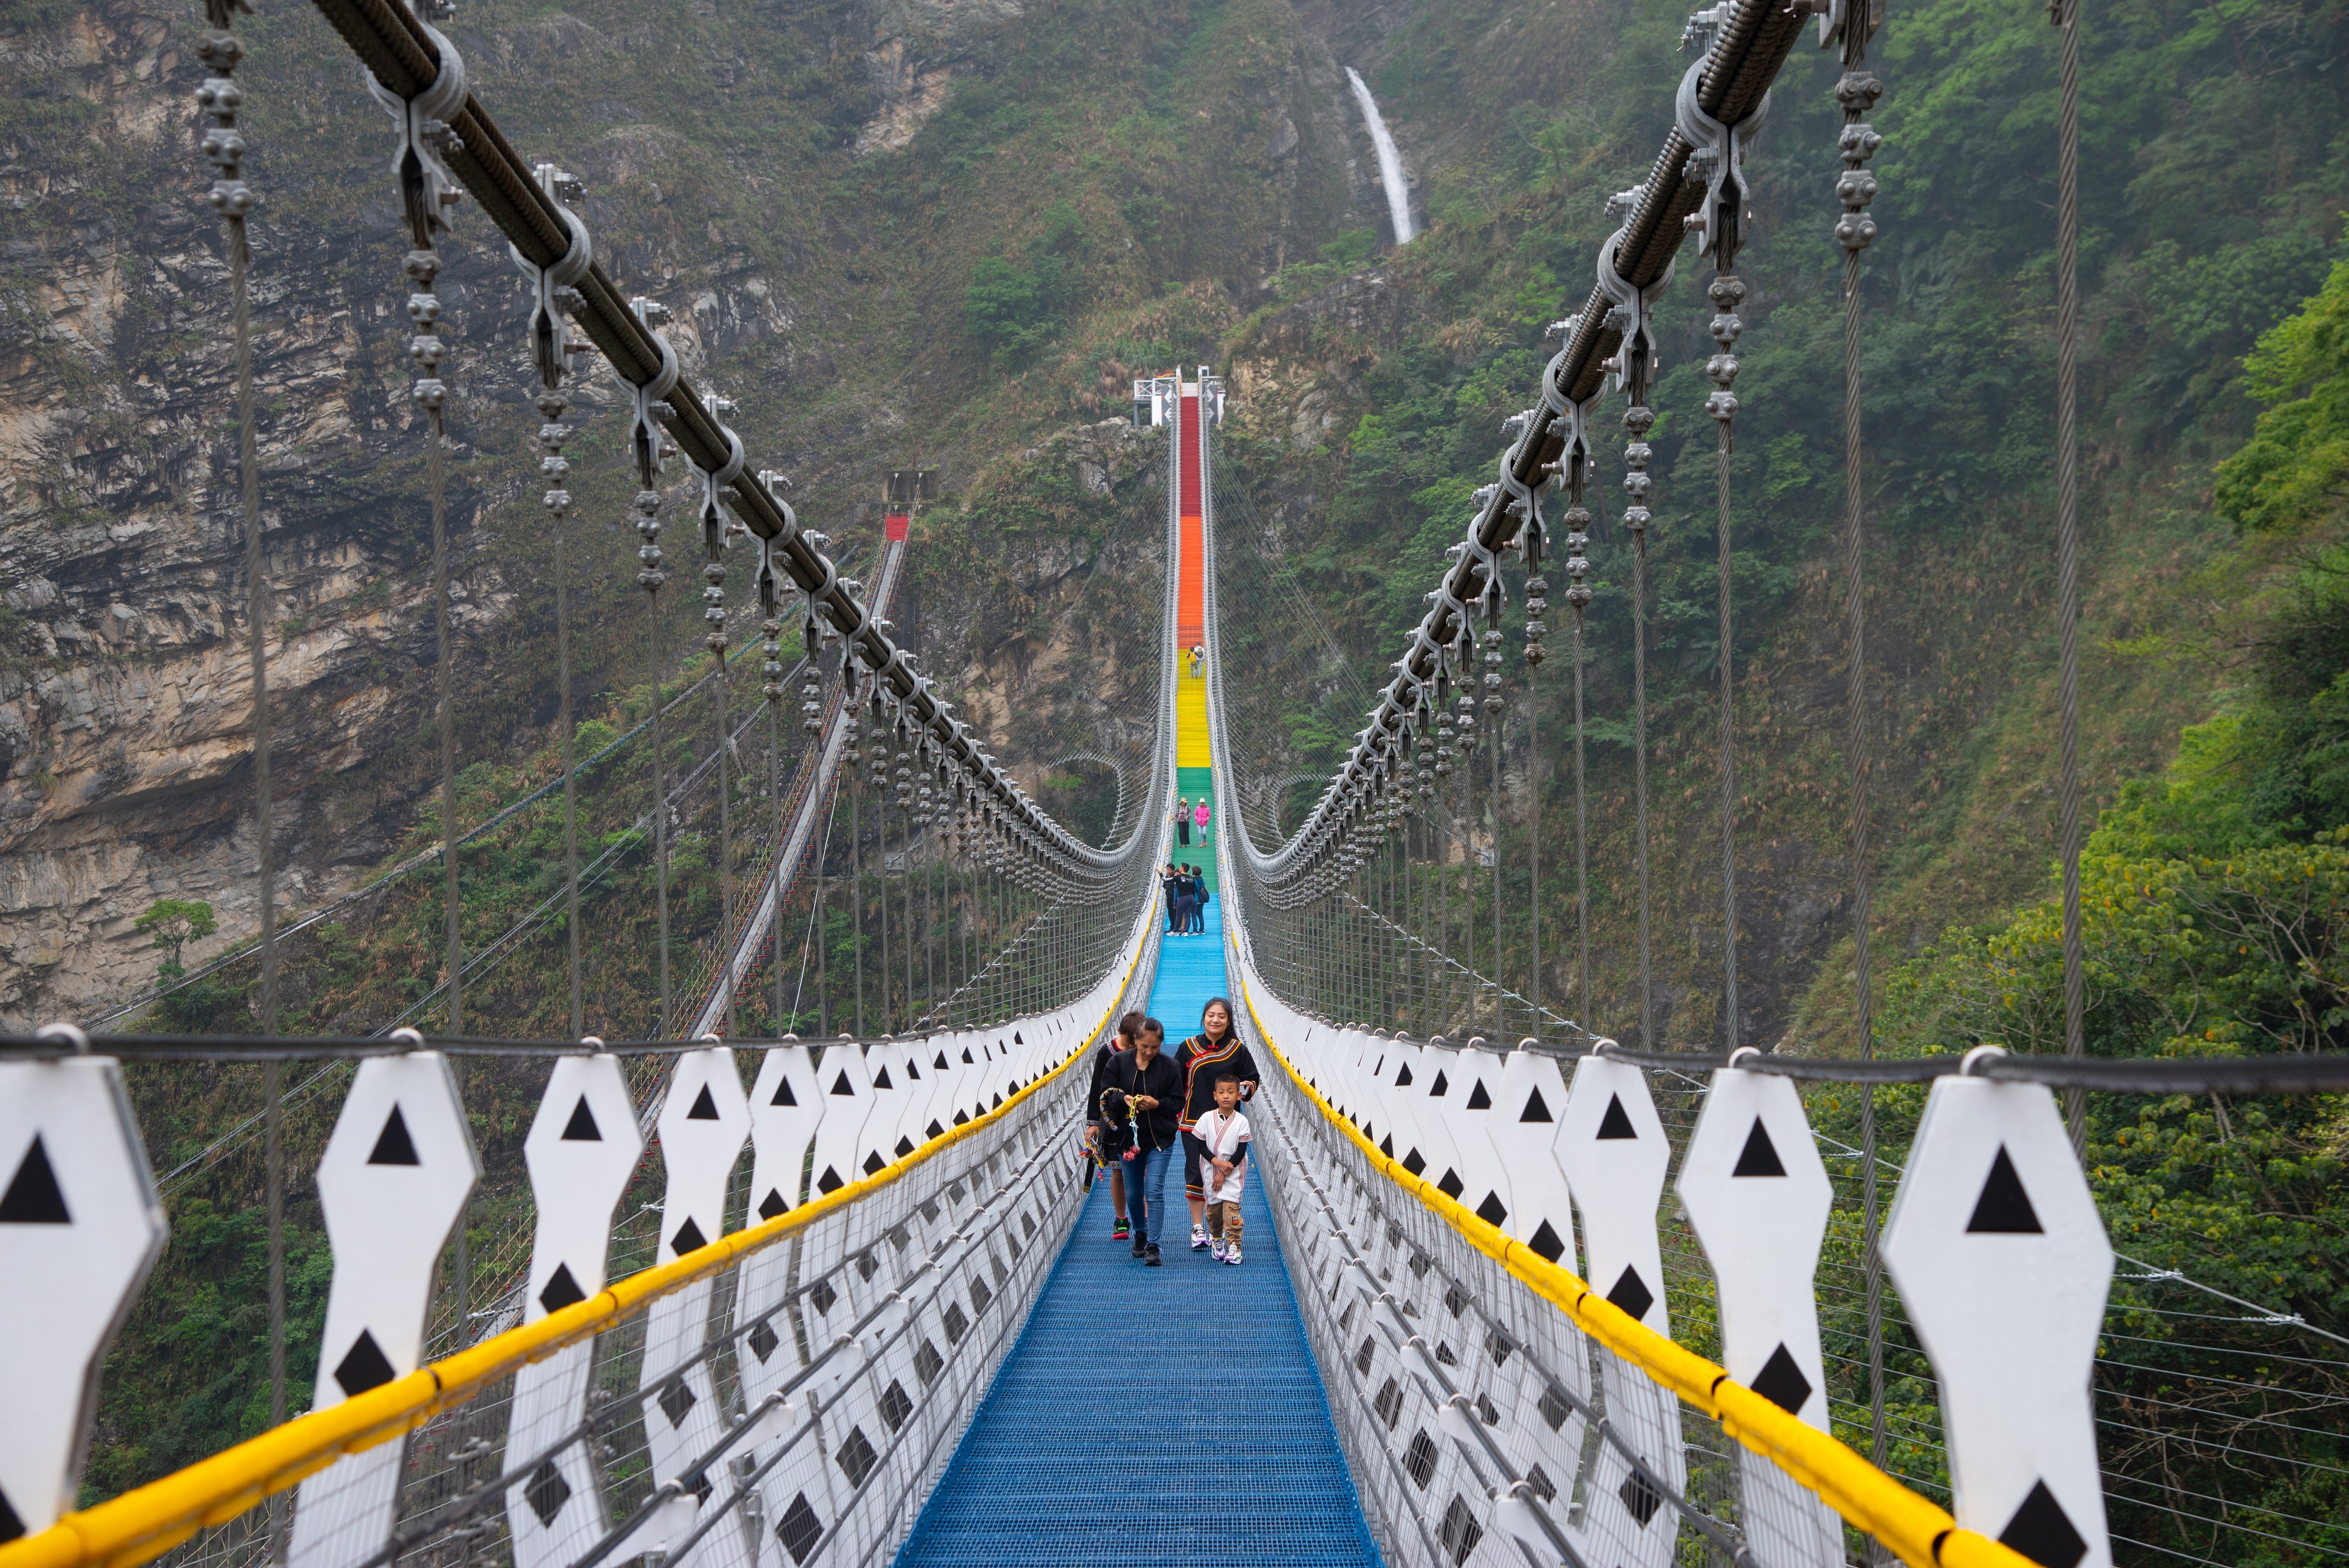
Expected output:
(1144, 1085)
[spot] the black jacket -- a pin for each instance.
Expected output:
(1156, 1128)
(1108, 1053)
(1203, 1062)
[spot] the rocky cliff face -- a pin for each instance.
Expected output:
(731, 172)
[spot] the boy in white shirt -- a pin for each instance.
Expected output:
(1222, 1168)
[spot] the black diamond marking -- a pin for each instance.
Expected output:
(363, 1366)
(1402, 1076)
(676, 1400)
(823, 1296)
(1760, 1156)
(688, 1238)
(840, 1085)
(904, 1146)
(392, 1145)
(1420, 1458)
(581, 1129)
(772, 1205)
(829, 1182)
(934, 1130)
(762, 1340)
(1616, 1123)
(881, 1080)
(873, 1162)
(1782, 1382)
(1477, 1098)
(1538, 1482)
(1386, 1146)
(1553, 1407)
(1641, 1497)
(981, 1297)
(546, 1491)
(2043, 1531)
(704, 1108)
(928, 1362)
(1389, 1404)
(1451, 1186)
(865, 1267)
(800, 1529)
(1488, 1411)
(1461, 1532)
(957, 1324)
(1492, 1211)
(1414, 1162)
(1442, 1084)
(1631, 1294)
(561, 1290)
(2004, 1210)
(895, 1404)
(1546, 1243)
(962, 1119)
(33, 1197)
(1362, 1357)
(1537, 1108)
(783, 1095)
(699, 1484)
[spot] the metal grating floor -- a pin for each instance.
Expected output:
(1153, 1416)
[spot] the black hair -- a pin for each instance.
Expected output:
(1232, 1017)
(1152, 1026)
(1223, 1078)
(1129, 1025)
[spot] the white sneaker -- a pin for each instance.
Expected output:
(1215, 1249)
(1232, 1256)
(1199, 1238)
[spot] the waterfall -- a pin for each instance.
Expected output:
(1390, 160)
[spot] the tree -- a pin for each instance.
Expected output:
(172, 923)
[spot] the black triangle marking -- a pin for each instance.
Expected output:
(783, 1095)
(874, 1163)
(688, 1238)
(1537, 1108)
(2043, 1531)
(1402, 1076)
(940, 1063)
(904, 1146)
(840, 1086)
(1386, 1146)
(2004, 1210)
(913, 1070)
(363, 1366)
(830, 1180)
(1782, 1382)
(1492, 1211)
(11, 1527)
(33, 1197)
(966, 1055)
(392, 1145)
(881, 1080)
(772, 1205)
(1616, 1123)
(582, 1127)
(704, 1108)
(934, 1130)
(561, 1290)
(1760, 1156)
(962, 1119)
(1442, 1084)
(1631, 1294)
(1478, 1099)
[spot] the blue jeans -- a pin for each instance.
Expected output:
(1146, 1191)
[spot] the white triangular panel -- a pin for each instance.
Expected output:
(79, 1215)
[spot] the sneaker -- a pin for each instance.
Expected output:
(1137, 1247)
(1215, 1249)
(1120, 1231)
(1152, 1260)
(1232, 1256)
(1199, 1238)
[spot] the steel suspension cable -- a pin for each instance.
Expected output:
(2066, 15)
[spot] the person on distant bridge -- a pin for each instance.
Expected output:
(1170, 882)
(1198, 660)
(1199, 896)
(1183, 820)
(1201, 816)
(1215, 1050)
(1102, 1139)
(1144, 1085)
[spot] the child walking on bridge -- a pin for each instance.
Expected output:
(1223, 1135)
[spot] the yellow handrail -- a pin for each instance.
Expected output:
(1919, 1531)
(143, 1524)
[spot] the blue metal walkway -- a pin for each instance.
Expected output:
(1153, 1416)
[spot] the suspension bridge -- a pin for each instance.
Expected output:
(1514, 1292)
